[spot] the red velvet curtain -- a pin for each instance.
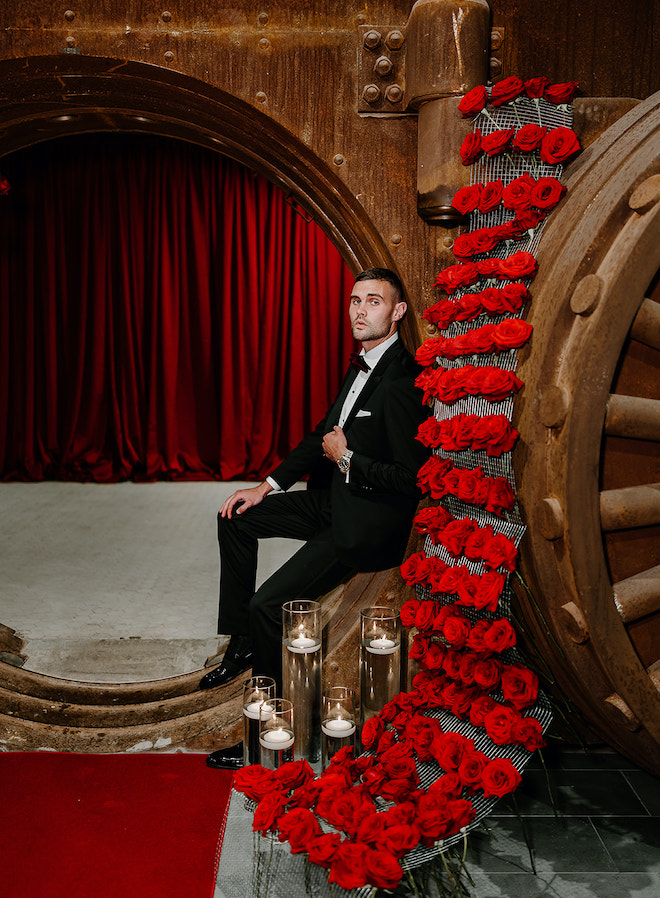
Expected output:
(164, 314)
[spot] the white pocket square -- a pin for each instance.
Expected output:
(363, 413)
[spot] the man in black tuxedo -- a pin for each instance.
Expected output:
(356, 514)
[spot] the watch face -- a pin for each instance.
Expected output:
(344, 464)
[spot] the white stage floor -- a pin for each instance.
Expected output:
(115, 582)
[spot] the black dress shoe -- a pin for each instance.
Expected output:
(226, 758)
(236, 661)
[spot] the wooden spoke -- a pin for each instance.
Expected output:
(638, 596)
(633, 417)
(633, 506)
(646, 326)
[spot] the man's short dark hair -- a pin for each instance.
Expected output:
(383, 274)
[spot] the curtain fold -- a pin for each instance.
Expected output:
(164, 314)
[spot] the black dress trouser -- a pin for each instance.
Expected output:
(314, 570)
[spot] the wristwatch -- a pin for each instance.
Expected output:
(344, 462)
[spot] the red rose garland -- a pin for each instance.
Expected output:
(462, 648)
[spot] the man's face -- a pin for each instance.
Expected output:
(374, 312)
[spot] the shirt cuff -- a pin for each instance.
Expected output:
(274, 484)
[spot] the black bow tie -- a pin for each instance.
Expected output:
(358, 362)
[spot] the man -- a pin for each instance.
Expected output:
(356, 514)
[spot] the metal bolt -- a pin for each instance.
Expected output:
(338, 159)
(448, 242)
(394, 93)
(166, 16)
(394, 40)
(372, 40)
(262, 18)
(261, 97)
(169, 56)
(264, 43)
(383, 66)
(396, 239)
(496, 39)
(495, 66)
(69, 15)
(371, 93)
(70, 41)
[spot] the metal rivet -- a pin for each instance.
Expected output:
(645, 196)
(448, 242)
(69, 15)
(396, 239)
(371, 93)
(338, 159)
(496, 39)
(169, 56)
(261, 97)
(372, 40)
(70, 41)
(264, 43)
(394, 40)
(383, 66)
(394, 93)
(166, 16)
(495, 66)
(262, 18)
(586, 295)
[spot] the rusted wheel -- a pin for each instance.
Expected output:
(588, 462)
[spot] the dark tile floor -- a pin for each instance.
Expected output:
(592, 824)
(593, 831)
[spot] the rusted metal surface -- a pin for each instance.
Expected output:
(573, 364)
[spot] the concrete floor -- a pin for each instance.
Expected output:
(115, 582)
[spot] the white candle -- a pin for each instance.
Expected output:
(278, 740)
(382, 646)
(253, 709)
(338, 727)
(304, 644)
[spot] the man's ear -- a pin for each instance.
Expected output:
(399, 311)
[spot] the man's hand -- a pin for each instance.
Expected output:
(335, 444)
(246, 498)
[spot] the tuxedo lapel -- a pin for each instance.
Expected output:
(372, 382)
(334, 412)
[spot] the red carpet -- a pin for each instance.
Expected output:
(110, 826)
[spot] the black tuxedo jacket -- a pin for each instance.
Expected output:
(372, 513)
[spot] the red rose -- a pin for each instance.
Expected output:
(499, 724)
(518, 265)
(495, 434)
(488, 591)
(520, 686)
(461, 275)
(452, 664)
(534, 87)
(428, 432)
(472, 486)
(473, 101)
(474, 342)
(449, 785)
(425, 615)
(499, 777)
(477, 636)
(525, 220)
(561, 93)
(268, 811)
(497, 141)
(295, 773)
(528, 138)
(511, 333)
(372, 829)
(400, 838)
(418, 647)
(382, 869)
(499, 636)
(512, 297)
(470, 769)
(455, 534)
(420, 733)
(322, 849)
(408, 612)
(481, 706)
(5, 186)
(254, 781)
(433, 817)
(487, 673)
(488, 267)
(462, 813)
(348, 866)
(434, 656)
(501, 497)
(484, 240)
(466, 199)
(500, 551)
(467, 588)
(528, 733)
(471, 148)
(474, 546)
(449, 748)
(492, 383)
(456, 630)
(559, 145)
(505, 90)
(371, 731)
(463, 248)
(349, 809)
(417, 568)
(491, 196)
(468, 307)
(546, 193)
(442, 313)
(429, 351)
(298, 827)
(516, 195)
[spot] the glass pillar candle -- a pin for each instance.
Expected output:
(258, 692)
(276, 735)
(380, 659)
(301, 672)
(337, 722)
